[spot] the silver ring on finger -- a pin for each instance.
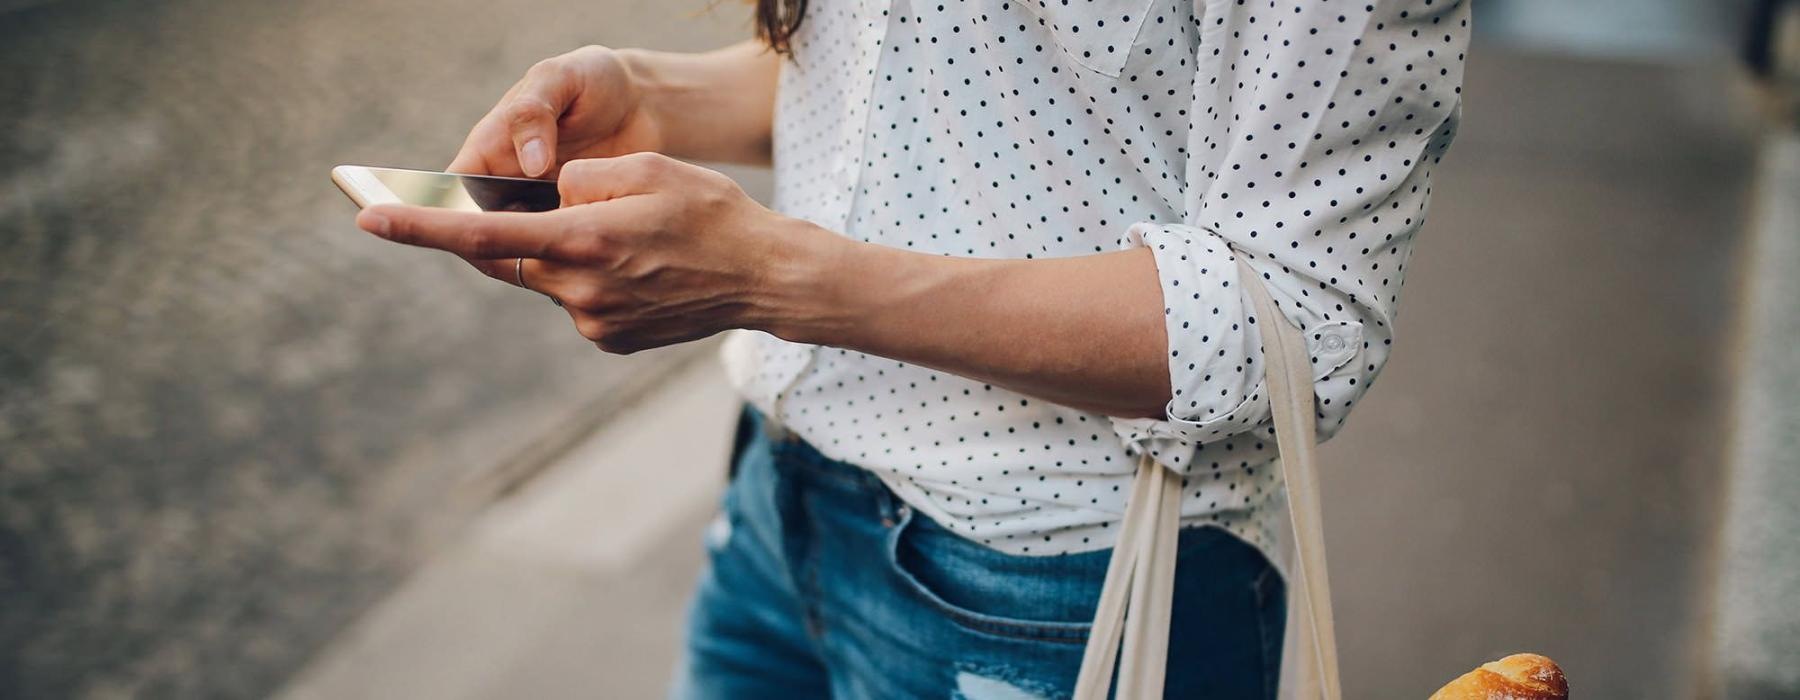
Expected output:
(519, 276)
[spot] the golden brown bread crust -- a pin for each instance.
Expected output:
(1516, 677)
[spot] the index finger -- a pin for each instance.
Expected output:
(470, 234)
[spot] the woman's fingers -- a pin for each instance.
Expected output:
(472, 235)
(488, 149)
(503, 269)
(600, 179)
(548, 279)
(532, 112)
(540, 276)
(580, 298)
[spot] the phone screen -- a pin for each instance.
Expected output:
(469, 192)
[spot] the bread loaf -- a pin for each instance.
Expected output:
(1516, 677)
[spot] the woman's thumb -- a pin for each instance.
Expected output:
(547, 91)
(532, 122)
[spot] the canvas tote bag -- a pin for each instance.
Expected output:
(1138, 592)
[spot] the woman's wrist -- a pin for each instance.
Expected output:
(716, 106)
(823, 288)
(836, 291)
(655, 89)
(804, 294)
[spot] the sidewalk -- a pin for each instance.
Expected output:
(573, 587)
(1756, 628)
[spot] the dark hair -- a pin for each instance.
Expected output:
(776, 22)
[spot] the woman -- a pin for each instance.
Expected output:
(1000, 263)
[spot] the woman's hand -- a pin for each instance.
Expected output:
(583, 104)
(646, 251)
(649, 251)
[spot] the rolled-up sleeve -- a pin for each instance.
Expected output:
(1314, 130)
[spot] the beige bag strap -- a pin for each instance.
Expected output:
(1140, 578)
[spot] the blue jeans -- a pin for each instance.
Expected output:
(822, 584)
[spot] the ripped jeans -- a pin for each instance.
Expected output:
(823, 584)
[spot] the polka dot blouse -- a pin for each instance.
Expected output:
(1300, 133)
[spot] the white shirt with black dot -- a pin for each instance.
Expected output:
(1302, 133)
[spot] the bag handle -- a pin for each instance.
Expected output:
(1291, 403)
(1140, 577)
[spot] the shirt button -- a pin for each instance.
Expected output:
(1332, 343)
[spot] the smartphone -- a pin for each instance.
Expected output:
(368, 186)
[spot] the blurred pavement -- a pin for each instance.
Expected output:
(573, 587)
(1757, 625)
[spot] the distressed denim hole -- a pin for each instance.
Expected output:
(983, 683)
(718, 533)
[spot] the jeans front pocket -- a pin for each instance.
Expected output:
(1049, 599)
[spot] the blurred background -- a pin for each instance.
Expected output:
(249, 451)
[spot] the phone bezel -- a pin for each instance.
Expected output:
(361, 186)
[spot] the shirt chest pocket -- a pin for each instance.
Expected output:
(1097, 34)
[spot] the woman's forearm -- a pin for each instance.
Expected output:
(1085, 332)
(715, 106)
